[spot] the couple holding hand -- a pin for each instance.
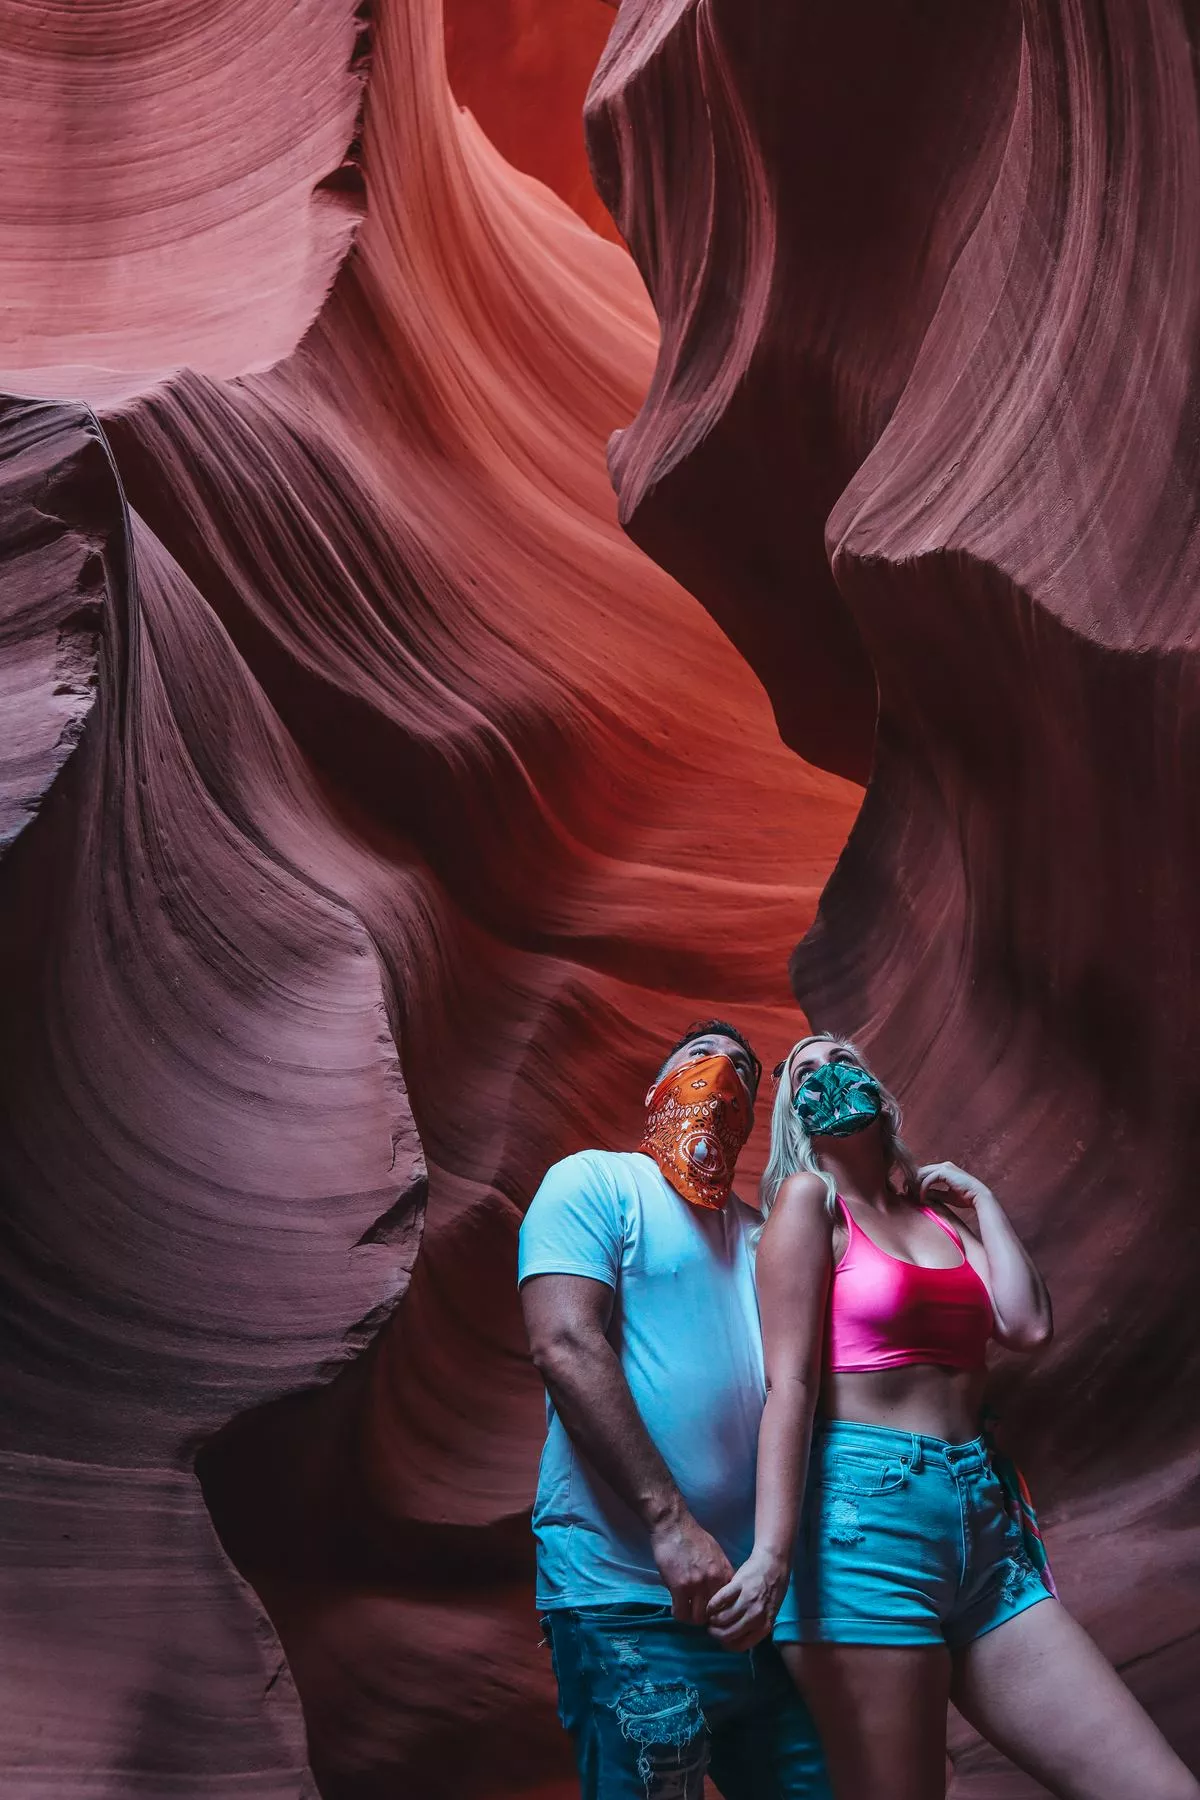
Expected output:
(773, 1541)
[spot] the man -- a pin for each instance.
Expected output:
(638, 1289)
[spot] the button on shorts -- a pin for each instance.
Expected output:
(903, 1539)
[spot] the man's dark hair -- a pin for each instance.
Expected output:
(710, 1028)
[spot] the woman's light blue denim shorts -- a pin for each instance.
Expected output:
(903, 1540)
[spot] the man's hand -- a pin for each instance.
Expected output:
(742, 1613)
(691, 1563)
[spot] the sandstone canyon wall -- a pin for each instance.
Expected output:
(372, 809)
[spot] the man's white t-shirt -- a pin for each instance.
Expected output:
(685, 1329)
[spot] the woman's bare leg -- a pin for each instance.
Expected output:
(1041, 1692)
(881, 1713)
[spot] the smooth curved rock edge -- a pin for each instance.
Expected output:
(976, 384)
(522, 71)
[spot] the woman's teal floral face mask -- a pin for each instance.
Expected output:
(837, 1100)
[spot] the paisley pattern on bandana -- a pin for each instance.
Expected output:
(837, 1100)
(697, 1119)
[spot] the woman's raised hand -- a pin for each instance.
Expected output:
(962, 1191)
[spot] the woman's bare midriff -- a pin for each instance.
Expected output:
(936, 1402)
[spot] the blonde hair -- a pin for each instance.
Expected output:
(792, 1150)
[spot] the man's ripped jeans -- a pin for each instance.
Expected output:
(654, 1706)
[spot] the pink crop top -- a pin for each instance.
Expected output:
(885, 1313)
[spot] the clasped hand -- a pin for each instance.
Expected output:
(738, 1606)
(692, 1564)
(742, 1613)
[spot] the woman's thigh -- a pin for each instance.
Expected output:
(1041, 1692)
(881, 1713)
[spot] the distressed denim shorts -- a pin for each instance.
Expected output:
(903, 1540)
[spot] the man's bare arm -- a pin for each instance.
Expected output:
(567, 1317)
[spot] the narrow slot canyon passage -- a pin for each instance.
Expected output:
(523, 527)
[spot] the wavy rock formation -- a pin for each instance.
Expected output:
(924, 419)
(373, 810)
(203, 1121)
(174, 184)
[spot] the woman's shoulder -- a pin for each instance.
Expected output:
(798, 1235)
(802, 1194)
(803, 1188)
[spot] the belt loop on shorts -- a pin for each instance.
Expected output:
(917, 1454)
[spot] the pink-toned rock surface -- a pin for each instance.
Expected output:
(924, 419)
(203, 1123)
(177, 184)
(377, 811)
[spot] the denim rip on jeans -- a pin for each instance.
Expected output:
(653, 1706)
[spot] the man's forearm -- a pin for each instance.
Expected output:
(587, 1385)
(591, 1396)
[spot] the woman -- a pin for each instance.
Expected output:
(913, 1584)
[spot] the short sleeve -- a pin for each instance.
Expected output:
(574, 1225)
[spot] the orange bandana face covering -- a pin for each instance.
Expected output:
(698, 1118)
